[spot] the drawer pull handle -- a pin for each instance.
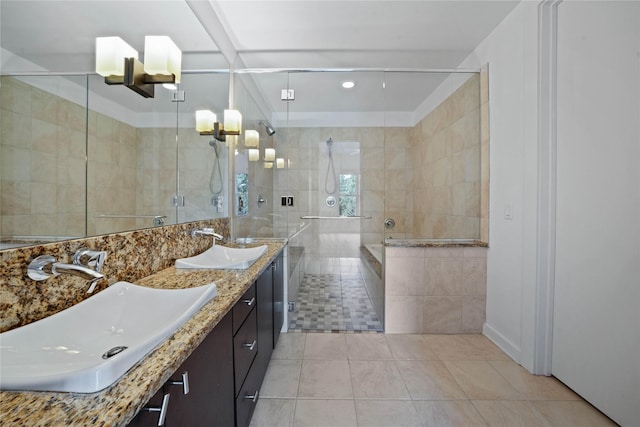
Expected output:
(253, 397)
(162, 409)
(184, 383)
(249, 302)
(251, 346)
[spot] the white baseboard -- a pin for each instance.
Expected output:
(512, 350)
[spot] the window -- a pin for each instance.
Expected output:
(347, 200)
(242, 194)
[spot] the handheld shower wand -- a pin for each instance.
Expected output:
(330, 167)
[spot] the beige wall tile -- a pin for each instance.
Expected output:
(473, 313)
(443, 276)
(403, 315)
(404, 276)
(474, 276)
(442, 314)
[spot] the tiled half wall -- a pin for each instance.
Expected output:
(435, 289)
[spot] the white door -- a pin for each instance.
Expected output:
(596, 332)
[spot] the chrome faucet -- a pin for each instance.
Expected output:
(207, 232)
(86, 264)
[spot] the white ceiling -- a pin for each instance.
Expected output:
(388, 34)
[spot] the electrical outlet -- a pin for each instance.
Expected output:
(283, 201)
(289, 200)
(292, 306)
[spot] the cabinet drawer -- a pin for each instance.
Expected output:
(243, 307)
(245, 348)
(247, 398)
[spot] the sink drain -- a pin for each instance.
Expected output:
(112, 352)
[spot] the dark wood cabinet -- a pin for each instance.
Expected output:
(225, 372)
(209, 370)
(210, 373)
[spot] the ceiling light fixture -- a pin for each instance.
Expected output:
(118, 63)
(348, 84)
(207, 124)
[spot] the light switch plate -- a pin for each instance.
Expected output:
(508, 211)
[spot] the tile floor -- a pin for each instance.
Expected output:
(334, 302)
(332, 380)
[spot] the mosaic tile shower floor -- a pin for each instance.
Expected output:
(334, 303)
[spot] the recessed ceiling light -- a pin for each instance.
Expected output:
(348, 84)
(169, 86)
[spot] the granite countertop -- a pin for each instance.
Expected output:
(434, 243)
(118, 404)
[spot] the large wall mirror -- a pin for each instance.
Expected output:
(80, 157)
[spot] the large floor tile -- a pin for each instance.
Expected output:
(515, 413)
(457, 347)
(325, 346)
(409, 347)
(367, 347)
(448, 413)
(273, 413)
(429, 379)
(386, 413)
(489, 350)
(379, 379)
(290, 346)
(329, 379)
(533, 387)
(281, 379)
(325, 413)
(480, 380)
(562, 414)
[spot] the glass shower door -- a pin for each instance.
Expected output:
(335, 143)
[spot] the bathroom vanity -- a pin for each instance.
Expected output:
(224, 374)
(220, 354)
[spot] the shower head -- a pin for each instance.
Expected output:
(329, 142)
(268, 128)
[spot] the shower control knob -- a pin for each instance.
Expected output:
(389, 223)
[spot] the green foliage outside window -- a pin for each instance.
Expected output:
(348, 193)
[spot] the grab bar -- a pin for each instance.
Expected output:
(336, 217)
(128, 216)
(157, 219)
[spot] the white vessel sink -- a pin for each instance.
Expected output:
(221, 257)
(69, 350)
